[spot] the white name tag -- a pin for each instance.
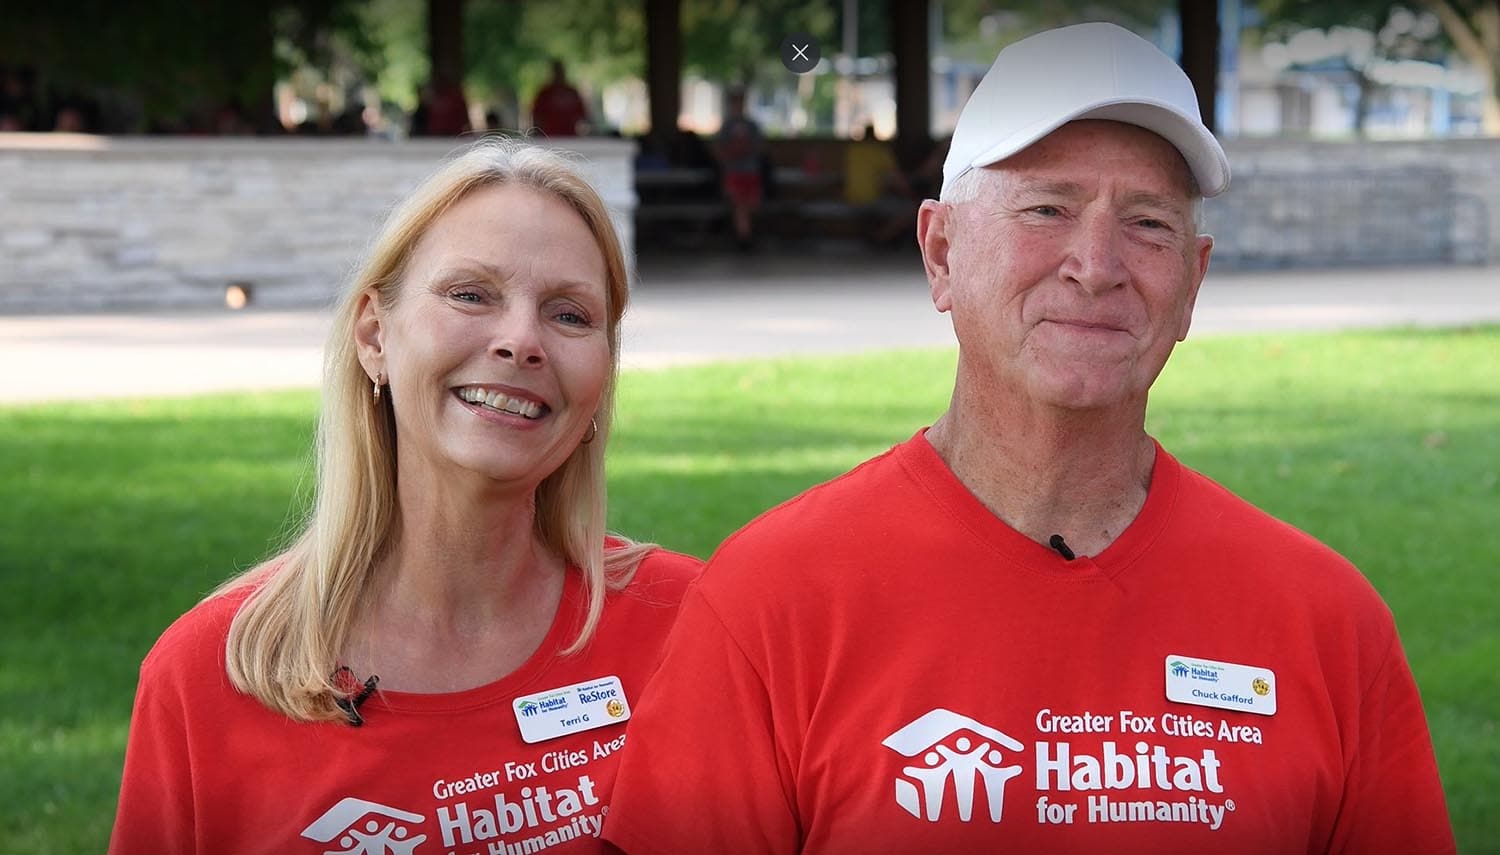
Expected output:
(1223, 685)
(571, 709)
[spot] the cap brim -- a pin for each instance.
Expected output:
(1204, 156)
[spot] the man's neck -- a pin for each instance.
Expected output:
(1045, 471)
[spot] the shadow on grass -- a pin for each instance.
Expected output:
(114, 519)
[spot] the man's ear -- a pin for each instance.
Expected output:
(935, 224)
(1202, 251)
(369, 332)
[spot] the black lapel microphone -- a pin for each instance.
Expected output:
(1056, 542)
(350, 706)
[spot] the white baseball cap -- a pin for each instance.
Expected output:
(1086, 71)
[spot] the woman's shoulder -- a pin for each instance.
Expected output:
(191, 650)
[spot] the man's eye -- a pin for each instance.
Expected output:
(1047, 210)
(572, 318)
(1152, 224)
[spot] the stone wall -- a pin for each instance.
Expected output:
(1301, 203)
(96, 222)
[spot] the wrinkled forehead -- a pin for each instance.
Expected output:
(1095, 146)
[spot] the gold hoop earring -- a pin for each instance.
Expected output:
(376, 384)
(593, 432)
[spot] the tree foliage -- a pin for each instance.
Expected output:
(976, 30)
(171, 57)
(1470, 26)
(1474, 27)
(1358, 35)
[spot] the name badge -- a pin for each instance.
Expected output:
(571, 709)
(1223, 685)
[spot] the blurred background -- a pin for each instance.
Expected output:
(156, 154)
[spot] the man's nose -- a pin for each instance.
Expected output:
(1096, 260)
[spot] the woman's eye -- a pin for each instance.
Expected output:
(573, 318)
(468, 296)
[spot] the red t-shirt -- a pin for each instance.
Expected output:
(883, 666)
(210, 770)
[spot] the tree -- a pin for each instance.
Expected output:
(976, 30)
(176, 61)
(1358, 35)
(1474, 27)
(736, 40)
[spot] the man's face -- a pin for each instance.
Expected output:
(1072, 273)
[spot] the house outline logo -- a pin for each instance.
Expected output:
(342, 822)
(923, 791)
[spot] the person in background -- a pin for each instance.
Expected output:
(739, 149)
(875, 185)
(448, 652)
(558, 110)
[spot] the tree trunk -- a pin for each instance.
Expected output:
(1362, 102)
(1492, 104)
(1476, 34)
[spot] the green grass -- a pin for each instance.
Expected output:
(115, 517)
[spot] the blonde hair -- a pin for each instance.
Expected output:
(285, 641)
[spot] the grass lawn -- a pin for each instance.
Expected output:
(115, 517)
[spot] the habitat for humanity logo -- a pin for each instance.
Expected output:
(923, 791)
(1201, 671)
(532, 706)
(366, 828)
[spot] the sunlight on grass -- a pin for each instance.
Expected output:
(116, 517)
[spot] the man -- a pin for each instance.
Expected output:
(1029, 628)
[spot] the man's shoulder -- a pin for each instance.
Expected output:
(1284, 553)
(1235, 516)
(833, 516)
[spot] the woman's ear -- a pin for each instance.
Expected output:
(369, 332)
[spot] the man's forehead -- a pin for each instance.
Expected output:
(1079, 151)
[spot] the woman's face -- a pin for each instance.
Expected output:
(496, 348)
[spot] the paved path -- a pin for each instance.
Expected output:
(690, 310)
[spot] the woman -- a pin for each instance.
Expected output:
(456, 549)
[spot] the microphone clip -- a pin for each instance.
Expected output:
(1056, 542)
(350, 705)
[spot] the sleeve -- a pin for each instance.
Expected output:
(155, 815)
(701, 770)
(1393, 799)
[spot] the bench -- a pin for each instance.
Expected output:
(684, 206)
